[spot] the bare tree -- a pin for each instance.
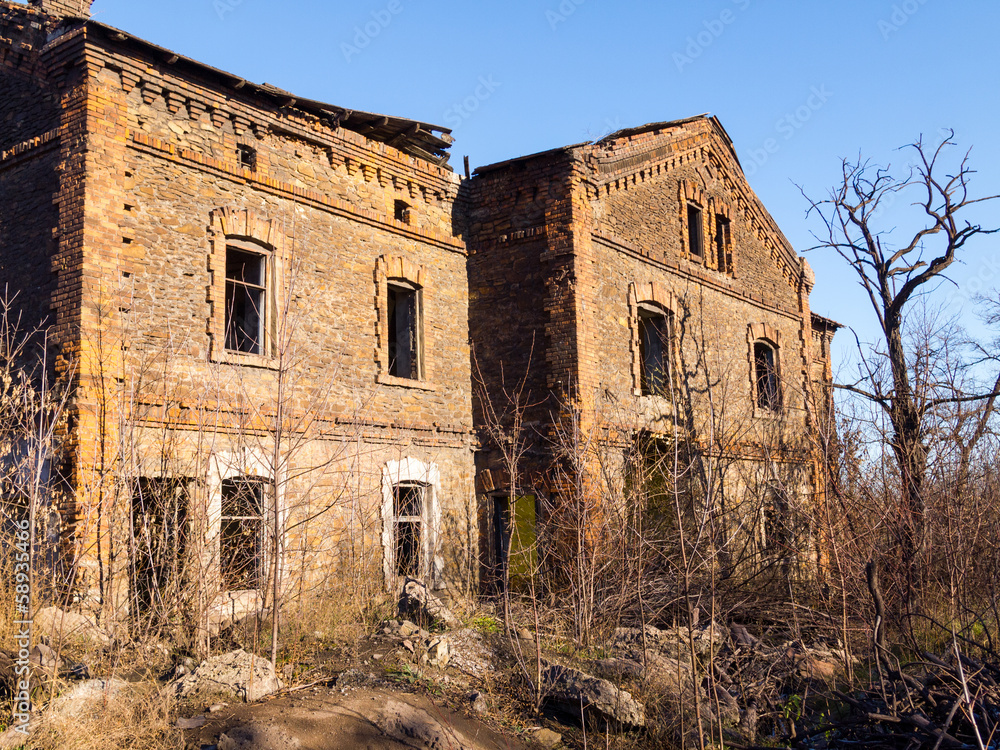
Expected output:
(894, 271)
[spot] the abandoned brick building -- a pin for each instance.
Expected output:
(649, 300)
(265, 305)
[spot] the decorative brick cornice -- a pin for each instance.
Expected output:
(183, 92)
(29, 145)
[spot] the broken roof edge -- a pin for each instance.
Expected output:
(828, 322)
(422, 140)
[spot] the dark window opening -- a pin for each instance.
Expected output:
(654, 352)
(247, 157)
(766, 376)
(245, 294)
(777, 522)
(501, 540)
(723, 254)
(408, 501)
(695, 232)
(404, 332)
(159, 531)
(242, 533)
(402, 211)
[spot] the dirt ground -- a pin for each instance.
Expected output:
(330, 718)
(371, 697)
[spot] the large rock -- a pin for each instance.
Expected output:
(416, 601)
(675, 643)
(617, 669)
(570, 690)
(86, 698)
(371, 719)
(237, 674)
(60, 627)
(470, 653)
(257, 737)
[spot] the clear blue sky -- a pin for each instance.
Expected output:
(824, 80)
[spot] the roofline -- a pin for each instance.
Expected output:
(422, 140)
(539, 155)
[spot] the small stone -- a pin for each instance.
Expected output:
(546, 738)
(216, 707)
(408, 646)
(478, 701)
(44, 657)
(439, 652)
(525, 635)
(377, 657)
(195, 722)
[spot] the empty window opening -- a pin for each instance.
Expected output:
(404, 331)
(777, 522)
(247, 156)
(402, 211)
(695, 232)
(654, 352)
(723, 253)
(242, 533)
(408, 507)
(245, 295)
(766, 377)
(159, 533)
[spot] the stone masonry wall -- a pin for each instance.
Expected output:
(162, 190)
(617, 229)
(639, 242)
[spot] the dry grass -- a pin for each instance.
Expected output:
(137, 717)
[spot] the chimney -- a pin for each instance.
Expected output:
(63, 8)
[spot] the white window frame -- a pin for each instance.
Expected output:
(242, 464)
(412, 471)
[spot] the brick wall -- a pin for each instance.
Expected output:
(29, 180)
(140, 173)
(515, 216)
(167, 192)
(572, 242)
